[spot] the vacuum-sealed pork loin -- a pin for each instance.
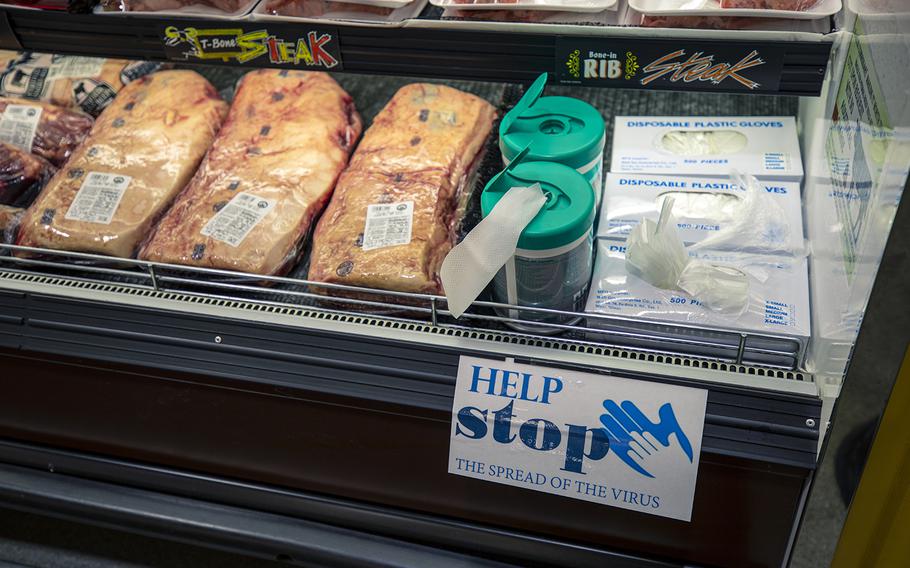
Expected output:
(268, 175)
(141, 152)
(391, 219)
(47, 130)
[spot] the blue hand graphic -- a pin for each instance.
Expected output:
(635, 439)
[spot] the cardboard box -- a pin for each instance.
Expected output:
(705, 208)
(776, 322)
(766, 147)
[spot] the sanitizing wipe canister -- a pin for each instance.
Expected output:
(552, 265)
(556, 129)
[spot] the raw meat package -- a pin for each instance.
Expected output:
(140, 154)
(9, 221)
(86, 83)
(230, 7)
(21, 173)
(789, 5)
(319, 8)
(44, 129)
(703, 22)
(606, 17)
(392, 218)
(268, 175)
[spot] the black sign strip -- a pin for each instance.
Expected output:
(255, 44)
(518, 56)
(669, 64)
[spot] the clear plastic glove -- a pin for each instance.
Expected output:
(757, 219)
(656, 254)
(654, 251)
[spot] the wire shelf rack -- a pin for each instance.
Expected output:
(610, 331)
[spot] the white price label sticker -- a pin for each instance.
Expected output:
(604, 439)
(237, 218)
(98, 198)
(18, 125)
(388, 225)
(71, 66)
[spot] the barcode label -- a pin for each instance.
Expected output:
(18, 125)
(71, 67)
(388, 224)
(98, 198)
(236, 219)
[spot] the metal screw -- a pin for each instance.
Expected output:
(810, 422)
(218, 339)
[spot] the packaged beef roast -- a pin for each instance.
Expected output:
(141, 152)
(43, 129)
(392, 217)
(268, 175)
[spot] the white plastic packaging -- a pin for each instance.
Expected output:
(777, 311)
(766, 147)
(785, 9)
(722, 211)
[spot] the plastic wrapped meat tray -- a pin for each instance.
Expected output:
(319, 8)
(55, 132)
(789, 5)
(21, 174)
(392, 218)
(702, 22)
(86, 83)
(230, 7)
(141, 152)
(268, 175)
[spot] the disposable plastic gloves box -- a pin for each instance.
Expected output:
(778, 300)
(707, 208)
(766, 146)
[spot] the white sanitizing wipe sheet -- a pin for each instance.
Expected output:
(778, 294)
(706, 208)
(766, 146)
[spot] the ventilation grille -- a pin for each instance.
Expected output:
(497, 336)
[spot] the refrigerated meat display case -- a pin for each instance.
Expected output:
(312, 422)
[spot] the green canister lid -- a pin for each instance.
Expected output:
(557, 129)
(568, 213)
